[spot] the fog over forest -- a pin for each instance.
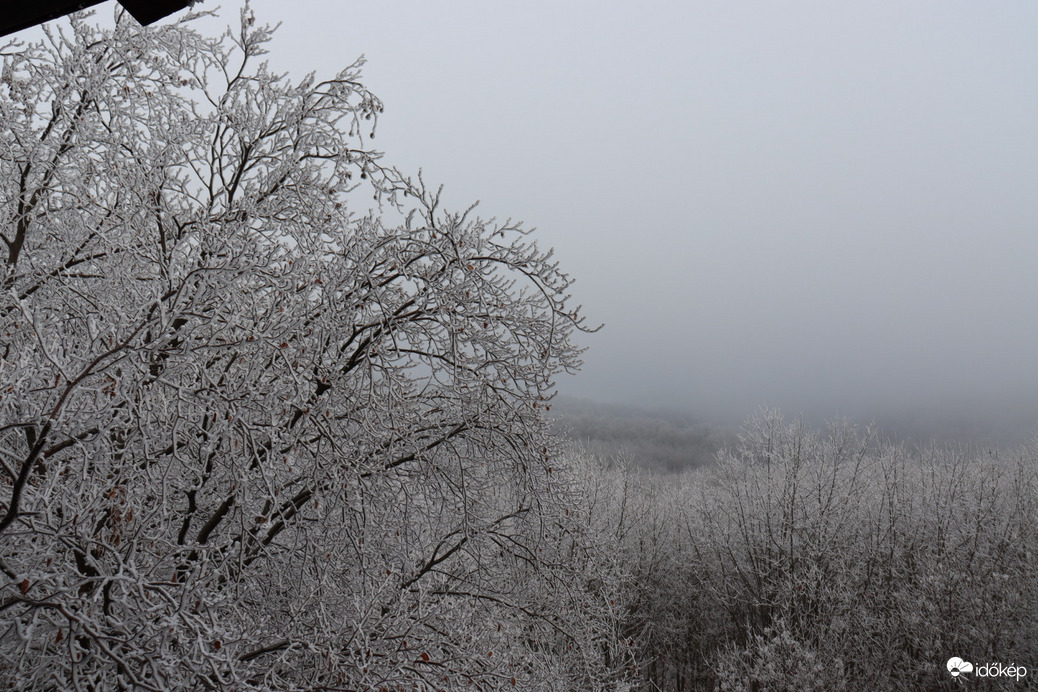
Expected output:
(824, 209)
(726, 384)
(827, 209)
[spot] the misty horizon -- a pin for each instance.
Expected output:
(276, 414)
(825, 210)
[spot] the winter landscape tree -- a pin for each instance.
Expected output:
(270, 418)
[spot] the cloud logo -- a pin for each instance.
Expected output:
(956, 666)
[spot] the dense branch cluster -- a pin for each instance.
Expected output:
(271, 419)
(825, 561)
(253, 434)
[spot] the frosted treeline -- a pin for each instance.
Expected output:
(273, 419)
(809, 560)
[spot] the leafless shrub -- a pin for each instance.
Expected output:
(829, 561)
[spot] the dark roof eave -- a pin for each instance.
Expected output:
(16, 15)
(148, 11)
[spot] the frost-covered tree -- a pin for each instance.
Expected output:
(269, 417)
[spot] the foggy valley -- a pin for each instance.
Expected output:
(551, 346)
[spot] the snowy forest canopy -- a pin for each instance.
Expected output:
(272, 419)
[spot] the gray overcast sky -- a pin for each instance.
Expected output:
(829, 207)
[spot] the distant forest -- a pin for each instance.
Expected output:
(653, 439)
(669, 441)
(822, 560)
